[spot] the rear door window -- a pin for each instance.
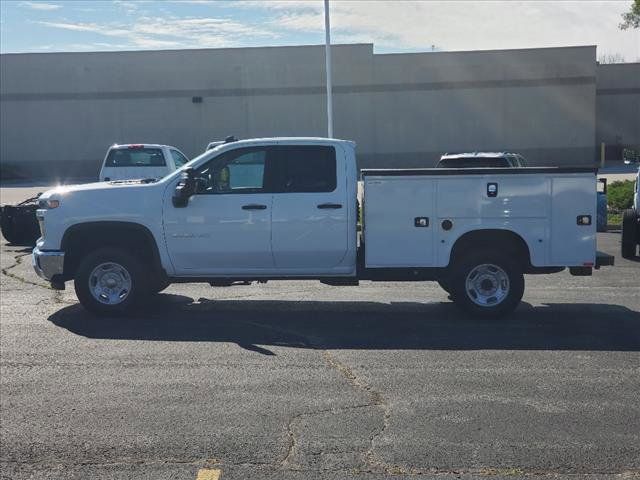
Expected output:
(135, 157)
(305, 168)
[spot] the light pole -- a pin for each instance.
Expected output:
(327, 48)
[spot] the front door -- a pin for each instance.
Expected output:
(226, 227)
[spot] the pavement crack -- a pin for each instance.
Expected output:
(17, 261)
(286, 460)
(376, 400)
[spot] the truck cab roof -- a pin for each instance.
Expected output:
(300, 140)
(140, 145)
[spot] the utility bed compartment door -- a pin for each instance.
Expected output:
(399, 220)
(573, 244)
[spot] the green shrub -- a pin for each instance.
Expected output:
(620, 195)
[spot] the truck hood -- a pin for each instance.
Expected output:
(62, 191)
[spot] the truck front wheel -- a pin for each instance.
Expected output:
(630, 237)
(110, 281)
(487, 284)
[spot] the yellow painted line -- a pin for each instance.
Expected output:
(208, 474)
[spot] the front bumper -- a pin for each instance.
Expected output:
(47, 264)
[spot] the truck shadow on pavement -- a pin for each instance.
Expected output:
(256, 325)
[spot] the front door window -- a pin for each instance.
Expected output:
(237, 171)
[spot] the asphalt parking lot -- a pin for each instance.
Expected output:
(298, 380)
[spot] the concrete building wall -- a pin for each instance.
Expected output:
(60, 112)
(618, 107)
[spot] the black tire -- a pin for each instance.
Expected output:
(496, 265)
(160, 285)
(629, 233)
(139, 285)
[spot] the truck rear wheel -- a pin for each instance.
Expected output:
(630, 237)
(445, 284)
(487, 284)
(159, 285)
(109, 281)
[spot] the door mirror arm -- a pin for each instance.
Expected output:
(185, 188)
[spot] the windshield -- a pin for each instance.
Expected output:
(471, 162)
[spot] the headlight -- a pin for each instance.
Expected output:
(49, 204)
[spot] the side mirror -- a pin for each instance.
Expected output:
(185, 188)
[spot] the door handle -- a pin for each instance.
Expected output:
(254, 206)
(327, 206)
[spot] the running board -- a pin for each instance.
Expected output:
(341, 282)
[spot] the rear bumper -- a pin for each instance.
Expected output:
(604, 259)
(47, 264)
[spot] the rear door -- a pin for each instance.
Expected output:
(310, 215)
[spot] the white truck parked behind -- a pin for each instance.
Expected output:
(146, 161)
(286, 208)
(631, 223)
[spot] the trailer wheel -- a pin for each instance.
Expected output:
(8, 229)
(110, 281)
(629, 233)
(19, 225)
(487, 284)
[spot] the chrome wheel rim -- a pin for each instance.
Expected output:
(487, 285)
(110, 283)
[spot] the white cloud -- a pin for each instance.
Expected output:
(129, 7)
(465, 25)
(390, 25)
(40, 6)
(157, 32)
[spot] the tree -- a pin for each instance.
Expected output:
(608, 58)
(631, 19)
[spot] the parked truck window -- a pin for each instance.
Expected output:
(178, 158)
(142, 157)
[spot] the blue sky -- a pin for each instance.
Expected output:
(400, 26)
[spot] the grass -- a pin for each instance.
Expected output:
(614, 218)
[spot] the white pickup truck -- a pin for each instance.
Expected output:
(124, 162)
(631, 223)
(286, 208)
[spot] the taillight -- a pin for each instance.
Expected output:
(135, 147)
(40, 218)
